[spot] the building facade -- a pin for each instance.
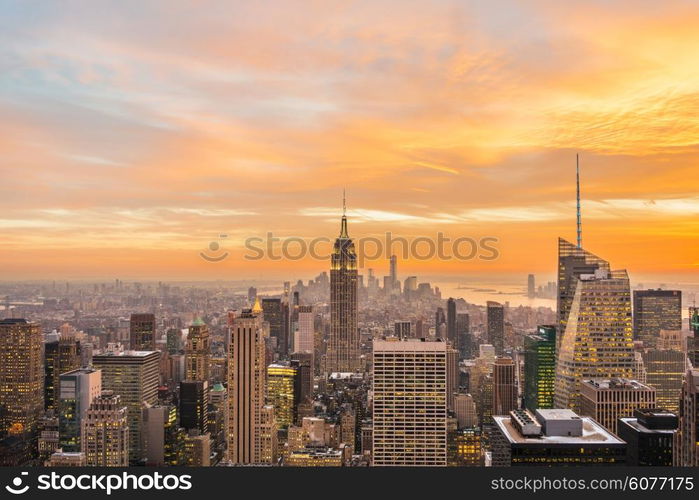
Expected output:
(343, 347)
(410, 403)
(21, 378)
(655, 310)
(246, 387)
(198, 352)
(540, 368)
(76, 391)
(608, 400)
(134, 377)
(105, 432)
(598, 337)
(496, 326)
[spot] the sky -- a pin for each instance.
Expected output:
(135, 134)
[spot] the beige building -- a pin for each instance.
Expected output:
(105, 432)
(246, 386)
(465, 410)
(268, 435)
(410, 403)
(197, 352)
(606, 401)
(197, 450)
(303, 337)
(315, 457)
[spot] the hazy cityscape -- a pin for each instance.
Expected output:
(349, 369)
(348, 234)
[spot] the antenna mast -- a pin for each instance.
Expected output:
(577, 185)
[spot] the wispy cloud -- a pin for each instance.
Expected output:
(210, 116)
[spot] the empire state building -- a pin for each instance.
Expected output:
(343, 351)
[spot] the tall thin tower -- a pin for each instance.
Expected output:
(577, 186)
(343, 350)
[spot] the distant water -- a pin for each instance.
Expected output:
(480, 293)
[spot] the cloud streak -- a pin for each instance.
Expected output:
(162, 129)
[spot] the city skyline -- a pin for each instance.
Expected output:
(370, 234)
(128, 150)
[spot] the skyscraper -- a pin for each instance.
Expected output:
(194, 405)
(21, 378)
(598, 339)
(451, 322)
(463, 335)
(282, 393)
(105, 432)
(393, 273)
(133, 376)
(573, 261)
(274, 315)
(531, 286)
(496, 326)
(246, 386)
(655, 310)
(60, 356)
(142, 332)
(197, 352)
(540, 368)
(687, 438)
(303, 338)
(440, 324)
(665, 370)
(76, 391)
(694, 327)
(504, 386)
(343, 348)
(303, 383)
(410, 403)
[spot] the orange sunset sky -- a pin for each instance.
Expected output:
(132, 134)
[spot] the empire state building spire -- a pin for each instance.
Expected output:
(343, 227)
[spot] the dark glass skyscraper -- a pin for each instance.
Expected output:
(496, 326)
(194, 401)
(649, 437)
(463, 335)
(694, 327)
(451, 321)
(540, 368)
(142, 332)
(60, 356)
(272, 308)
(655, 310)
